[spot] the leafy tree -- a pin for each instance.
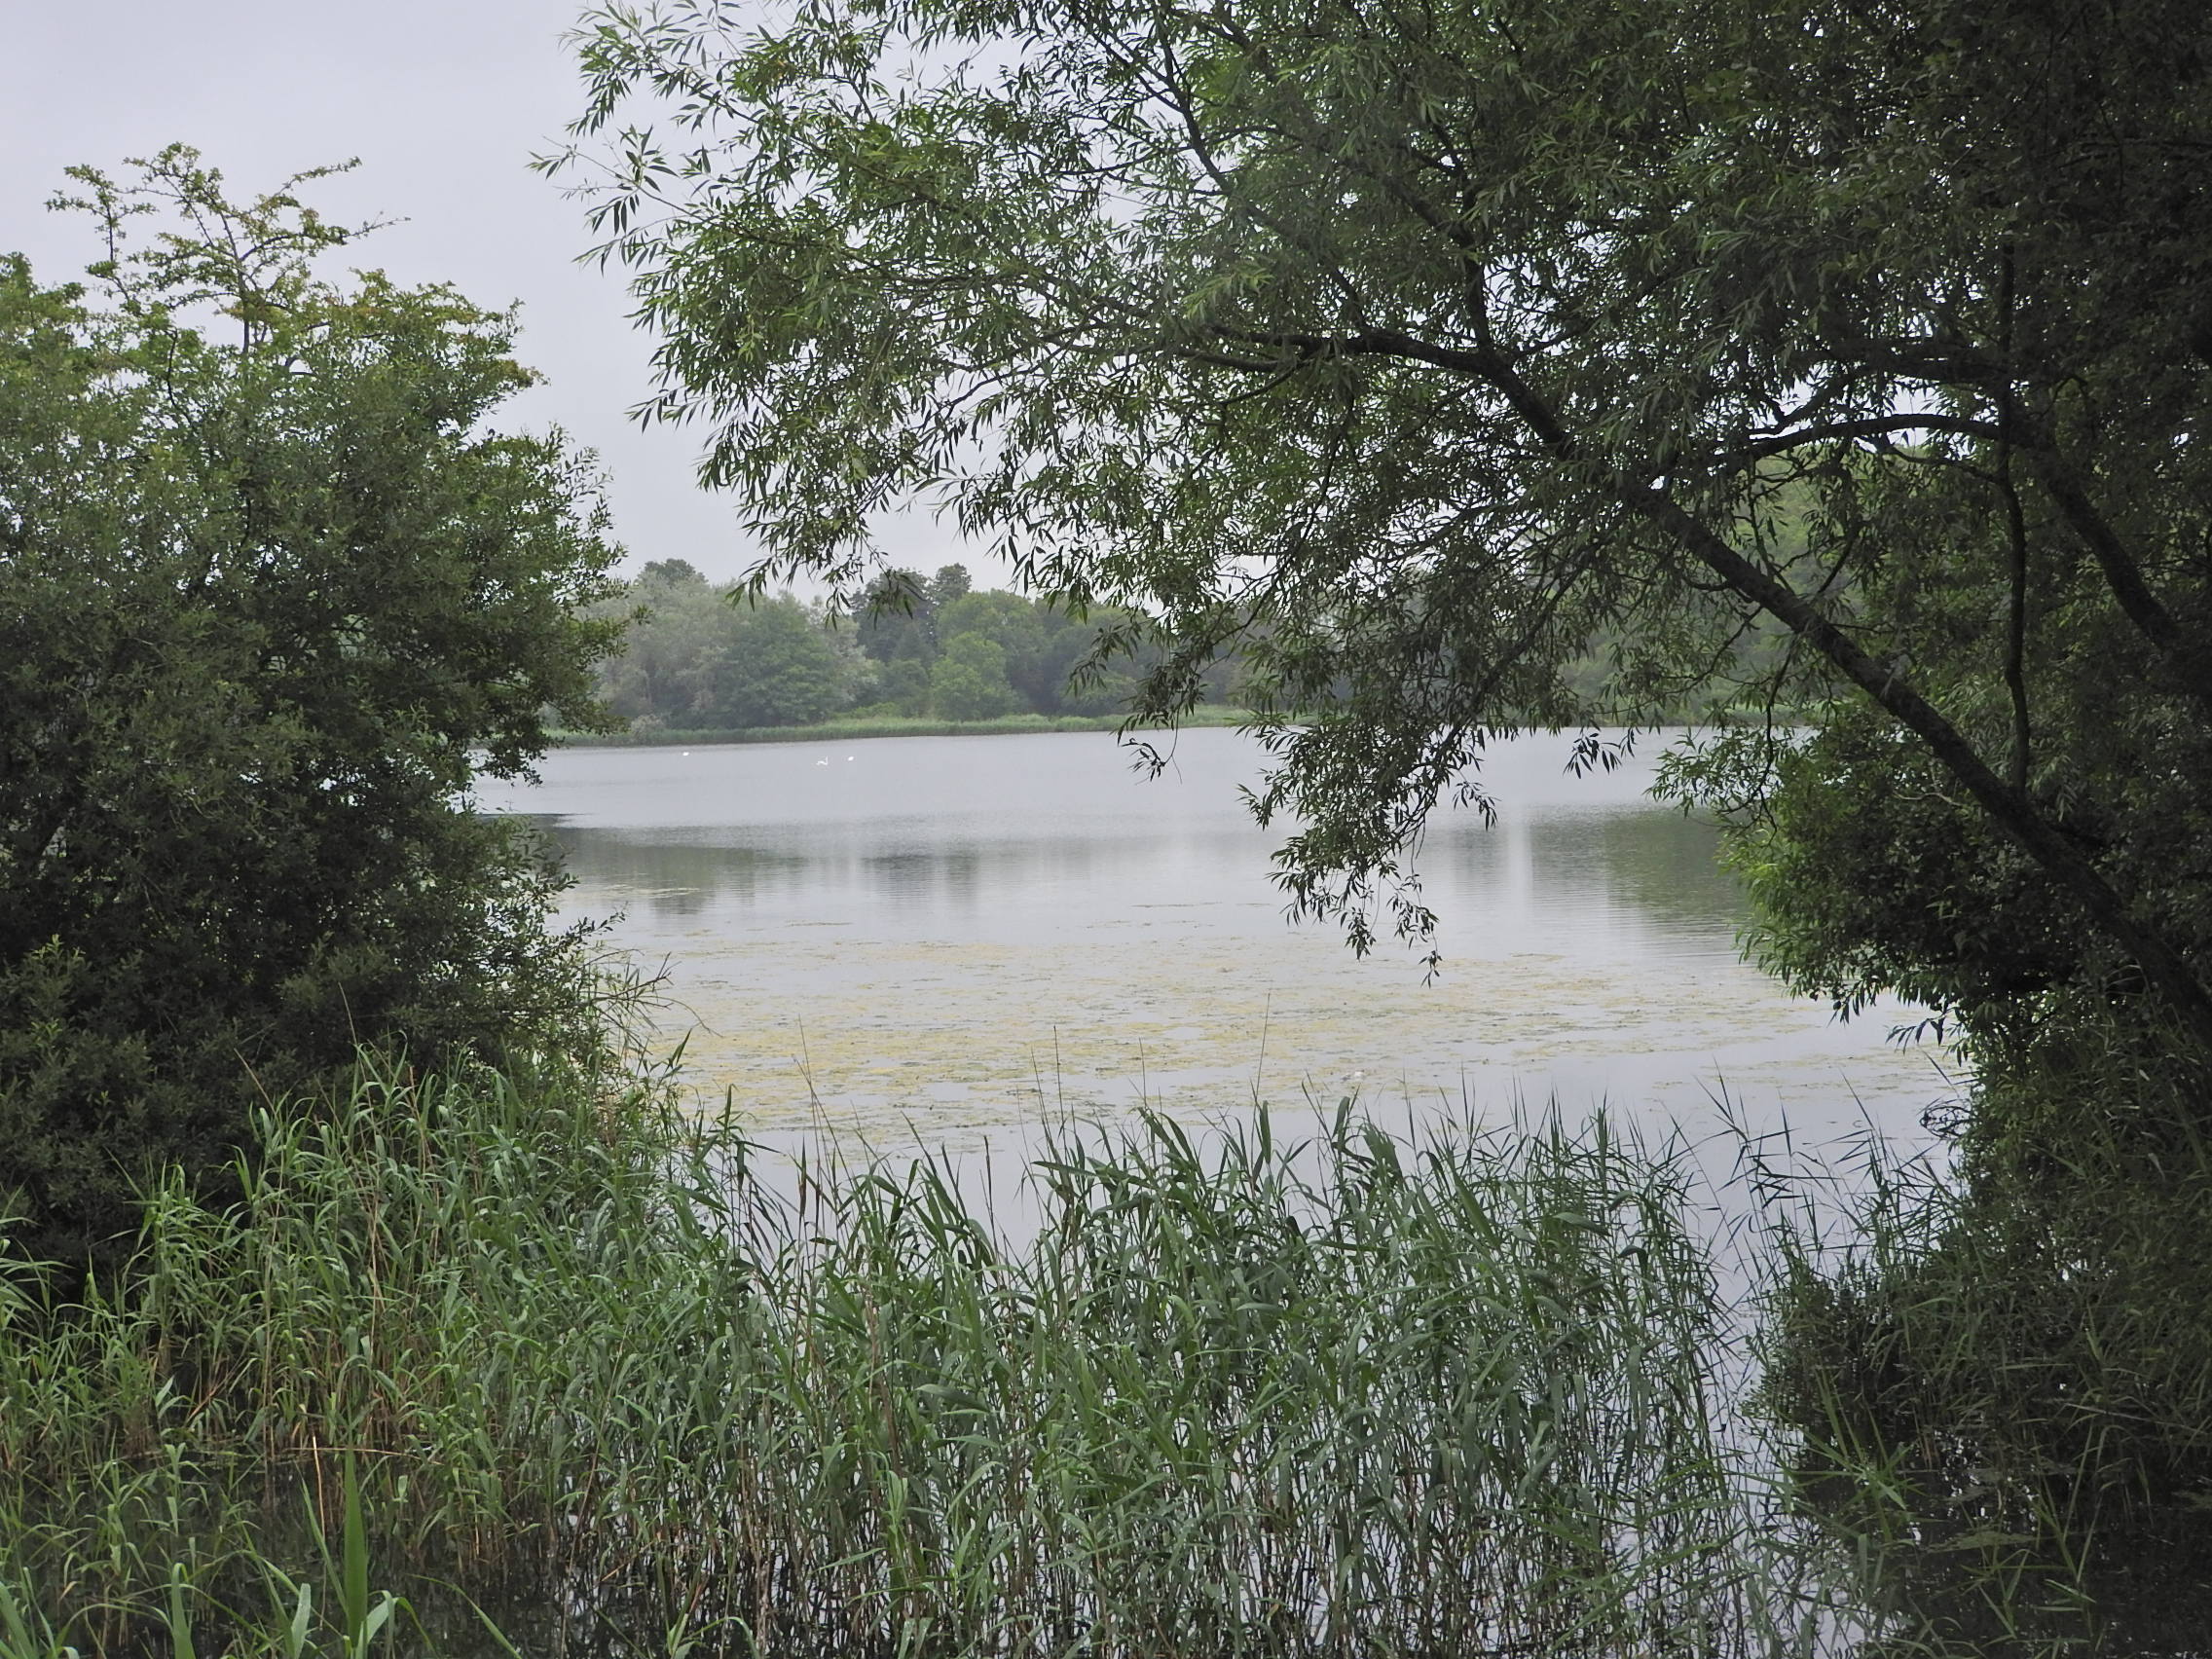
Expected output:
(969, 681)
(904, 684)
(674, 623)
(271, 593)
(1023, 632)
(1564, 363)
(897, 613)
(948, 587)
(774, 667)
(1057, 664)
(1009, 620)
(895, 618)
(1418, 350)
(695, 656)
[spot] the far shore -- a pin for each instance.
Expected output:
(1211, 715)
(848, 731)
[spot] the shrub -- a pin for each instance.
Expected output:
(271, 593)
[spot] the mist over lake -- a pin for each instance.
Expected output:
(944, 936)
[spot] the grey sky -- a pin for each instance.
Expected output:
(444, 101)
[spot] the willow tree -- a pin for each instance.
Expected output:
(1412, 350)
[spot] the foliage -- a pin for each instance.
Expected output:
(870, 725)
(2041, 1316)
(2001, 1387)
(673, 622)
(1875, 873)
(1348, 1398)
(775, 669)
(1412, 352)
(1858, 355)
(896, 619)
(271, 591)
(969, 681)
(699, 658)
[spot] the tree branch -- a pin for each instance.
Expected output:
(2168, 970)
(2185, 654)
(2009, 809)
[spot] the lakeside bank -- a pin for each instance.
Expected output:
(857, 730)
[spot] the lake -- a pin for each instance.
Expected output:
(942, 940)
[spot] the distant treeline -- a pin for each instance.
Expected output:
(700, 658)
(707, 657)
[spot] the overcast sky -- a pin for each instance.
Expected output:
(444, 101)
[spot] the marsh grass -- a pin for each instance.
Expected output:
(591, 1378)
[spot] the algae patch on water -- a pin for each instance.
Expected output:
(957, 1036)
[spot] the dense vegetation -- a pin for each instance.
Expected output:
(571, 1358)
(487, 1364)
(1410, 356)
(699, 658)
(269, 595)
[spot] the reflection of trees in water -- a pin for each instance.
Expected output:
(957, 873)
(675, 878)
(1655, 865)
(682, 877)
(1660, 865)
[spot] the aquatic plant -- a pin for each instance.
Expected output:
(1232, 1396)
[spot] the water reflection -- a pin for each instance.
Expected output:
(670, 877)
(1662, 865)
(949, 934)
(1619, 882)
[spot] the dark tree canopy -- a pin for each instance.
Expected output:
(272, 592)
(1417, 348)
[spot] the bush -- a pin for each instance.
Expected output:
(969, 681)
(271, 594)
(2003, 1383)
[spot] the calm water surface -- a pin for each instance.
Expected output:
(945, 937)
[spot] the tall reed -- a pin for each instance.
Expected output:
(1347, 1398)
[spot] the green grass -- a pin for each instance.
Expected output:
(846, 732)
(563, 1358)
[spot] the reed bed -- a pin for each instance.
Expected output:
(564, 1368)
